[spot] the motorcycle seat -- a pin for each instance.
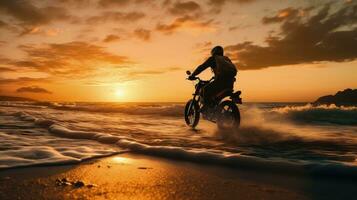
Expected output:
(224, 93)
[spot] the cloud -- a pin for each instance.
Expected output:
(111, 38)
(7, 26)
(182, 8)
(136, 74)
(323, 36)
(3, 60)
(67, 59)
(127, 75)
(33, 89)
(6, 69)
(115, 16)
(285, 14)
(143, 34)
(40, 31)
(110, 3)
(3, 24)
(203, 46)
(2, 43)
(222, 2)
(75, 3)
(186, 21)
(29, 14)
(166, 3)
(23, 80)
(238, 27)
(218, 4)
(120, 3)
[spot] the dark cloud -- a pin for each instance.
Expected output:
(285, 14)
(75, 3)
(29, 30)
(3, 60)
(324, 36)
(115, 16)
(166, 3)
(23, 80)
(67, 59)
(120, 3)
(221, 2)
(111, 3)
(143, 34)
(7, 26)
(36, 30)
(33, 89)
(182, 8)
(217, 4)
(29, 14)
(239, 27)
(187, 20)
(233, 28)
(111, 38)
(6, 69)
(3, 24)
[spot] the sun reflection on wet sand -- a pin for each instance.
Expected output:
(122, 160)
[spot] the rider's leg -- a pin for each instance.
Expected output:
(209, 92)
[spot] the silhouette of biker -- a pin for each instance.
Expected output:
(224, 76)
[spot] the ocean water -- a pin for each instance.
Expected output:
(282, 137)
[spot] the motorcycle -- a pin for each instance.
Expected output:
(224, 112)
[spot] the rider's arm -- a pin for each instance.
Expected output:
(208, 63)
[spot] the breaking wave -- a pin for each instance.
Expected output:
(134, 109)
(318, 114)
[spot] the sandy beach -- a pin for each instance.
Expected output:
(131, 176)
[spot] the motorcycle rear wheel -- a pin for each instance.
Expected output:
(228, 115)
(192, 114)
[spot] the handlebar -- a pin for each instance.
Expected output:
(195, 78)
(198, 78)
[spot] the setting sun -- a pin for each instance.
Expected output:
(119, 93)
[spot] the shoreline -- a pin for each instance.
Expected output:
(133, 176)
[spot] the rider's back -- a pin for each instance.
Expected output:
(224, 67)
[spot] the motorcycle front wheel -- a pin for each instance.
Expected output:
(228, 115)
(192, 114)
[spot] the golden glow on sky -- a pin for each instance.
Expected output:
(134, 50)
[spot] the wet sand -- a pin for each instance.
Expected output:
(131, 176)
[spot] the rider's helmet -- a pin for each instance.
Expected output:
(217, 51)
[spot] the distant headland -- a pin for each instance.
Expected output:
(347, 97)
(12, 98)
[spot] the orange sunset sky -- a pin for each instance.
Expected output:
(139, 50)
